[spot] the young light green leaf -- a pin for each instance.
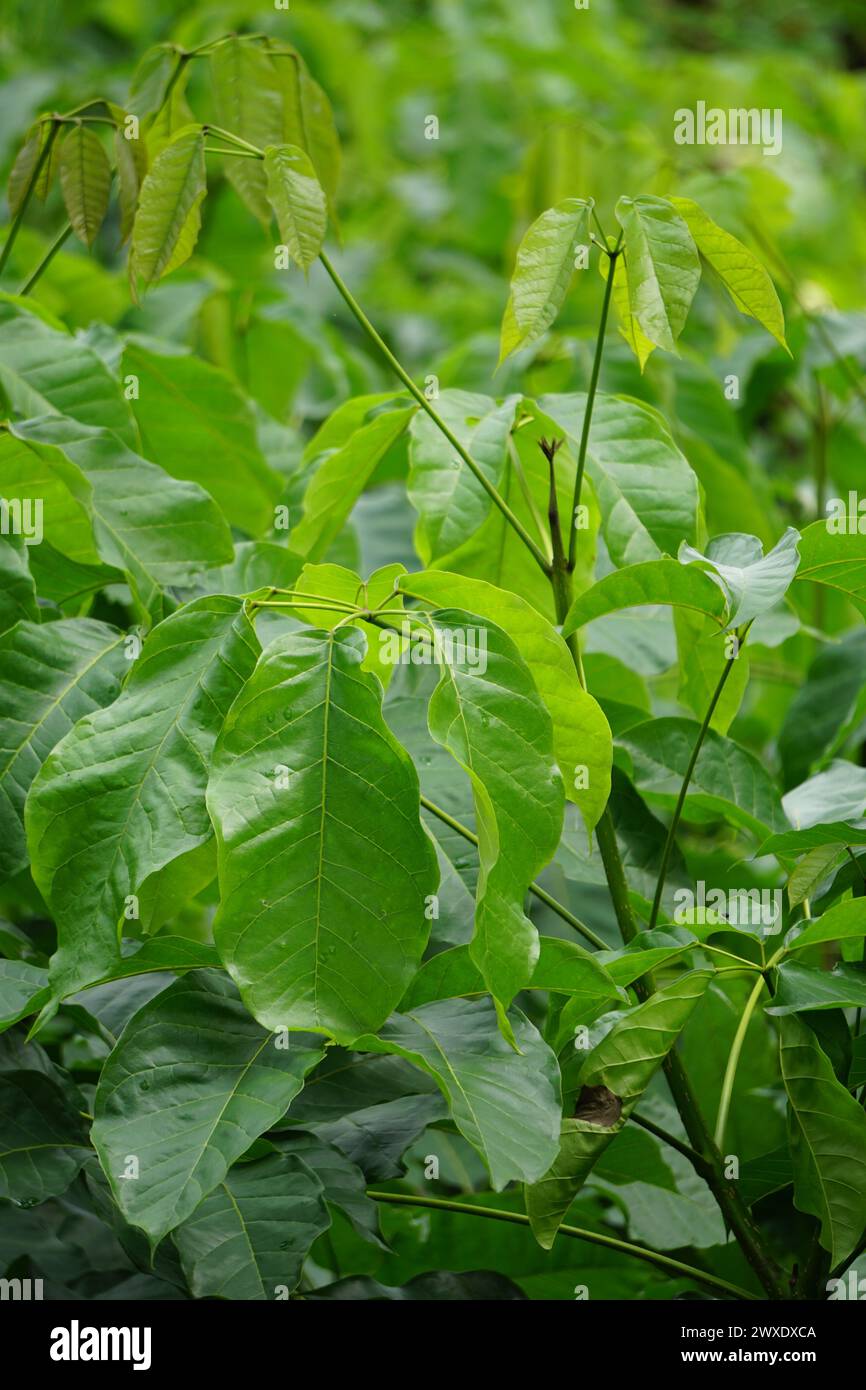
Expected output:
(581, 736)
(662, 267)
(24, 167)
(827, 1131)
(249, 1238)
(506, 1103)
(131, 161)
(752, 582)
(43, 1144)
(324, 866)
(738, 268)
(340, 479)
(168, 219)
(249, 103)
(308, 120)
(653, 582)
(837, 794)
(844, 922)
(122, 796)
(628, 324)
(52, 675)
(487, 712)
(298, 200)
(611, 1081)
(542, 273)
(191, 1084)
(85, 178)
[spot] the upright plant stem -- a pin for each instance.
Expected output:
(517, 1218)
(681, 799)
(590, 402)
(734, 1060)
(44, 155)
(399, 371)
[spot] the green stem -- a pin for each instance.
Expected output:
(590, 402)
(697, 1161)
(44, 154)
(46, 259)
(733, 1062)
(534, 888)
(210, 129)
(624, 1247)
(425, 405)
(681, 799)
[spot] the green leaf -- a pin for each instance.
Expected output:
(339, 481)
(43, 1144)
(827, 1132)
(647, 491)
(844, 922)
(169, 212)
(17, 590)
(200, 427)
(653, 582)
(122, 796)
(24, 167)
(542, 273)
(802, 987)
(158, 529)
(487, 712)
(450, 502)
(835, 795)
(581, 736)
(793, 842)
(628, 325)
(23, 990)
(344, 1183)
(307, 118)
(727, 780)
(324, 866)
(611, 1081)
(298, 200)
(43, 372)
(147, 90)
(506, 1103)
(131, 161)
(191, 1084)
(249, 103)
(249, 1238)
(738, 268)
(53, 675)
(563, 968)
(662, 267)
(752, 582)
(827, 708)
(835, 559)
(85, 178)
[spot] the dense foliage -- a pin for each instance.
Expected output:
(432, 664)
